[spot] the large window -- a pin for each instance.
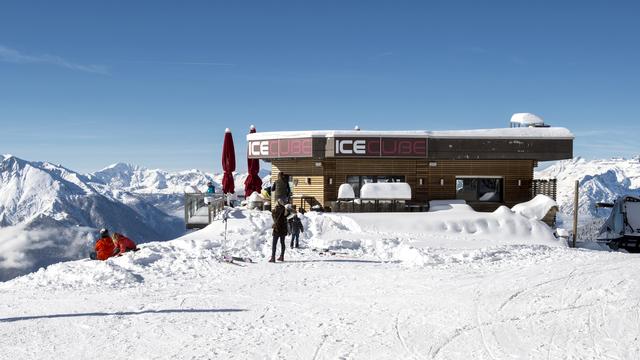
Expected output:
(356, 181)
(479, 189)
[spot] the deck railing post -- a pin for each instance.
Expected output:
(186, 209)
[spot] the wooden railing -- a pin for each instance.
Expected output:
(195, 202)
(547, 187)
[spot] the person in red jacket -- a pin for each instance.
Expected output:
(115, 245)
(105, 246)
(123, 243)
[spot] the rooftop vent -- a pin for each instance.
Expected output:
(526, 120)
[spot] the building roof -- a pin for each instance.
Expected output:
(502, 133)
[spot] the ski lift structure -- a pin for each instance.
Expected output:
(622, 229)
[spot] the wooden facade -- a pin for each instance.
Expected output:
(436, 165)
(429, 180)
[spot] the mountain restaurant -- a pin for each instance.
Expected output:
(486, 168)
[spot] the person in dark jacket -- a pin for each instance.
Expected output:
(295, 228)
(280, 188)
(279, 216)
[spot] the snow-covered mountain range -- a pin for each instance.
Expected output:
(599, 181)
(49, 213)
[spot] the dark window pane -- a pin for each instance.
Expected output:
(467, 189)
(489, 190)
(479, 189)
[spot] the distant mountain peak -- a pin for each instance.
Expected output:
(121, 166)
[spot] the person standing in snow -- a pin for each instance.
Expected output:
(280, 188)
(279, 230)
(295, 228)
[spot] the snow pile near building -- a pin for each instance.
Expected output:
(386, 191)
(536, 208)
(438, 238)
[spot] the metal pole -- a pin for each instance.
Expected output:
(186, 209)
(575, 214)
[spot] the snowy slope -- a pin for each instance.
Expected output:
(49, 213)
(527, 297)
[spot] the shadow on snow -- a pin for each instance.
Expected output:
(119, 313)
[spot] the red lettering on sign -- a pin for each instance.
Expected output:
(373, 147)
(404, 147)
(388, 147)
(296, 148)
(307, 147)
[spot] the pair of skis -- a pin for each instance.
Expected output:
(235, 260)
(323, 252)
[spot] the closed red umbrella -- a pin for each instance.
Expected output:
(253, 181)
(228, 163)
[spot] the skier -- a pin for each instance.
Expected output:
(279, 230)
(295, 228)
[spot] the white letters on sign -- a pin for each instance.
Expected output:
(357, 147)
(259, 148)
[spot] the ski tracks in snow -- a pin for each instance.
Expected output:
(400, 338)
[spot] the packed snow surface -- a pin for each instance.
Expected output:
(380, 292)
(386, 191)
(536, 208)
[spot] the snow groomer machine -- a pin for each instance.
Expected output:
(622, 229)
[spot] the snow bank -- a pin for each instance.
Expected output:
(439, 205)
(255, 197)
(386, 191)
(536, 208)
(345, 192)
(418, 239)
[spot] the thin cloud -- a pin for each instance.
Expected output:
(381, 55)
(9, 55)
(196, 63)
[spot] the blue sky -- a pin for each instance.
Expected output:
(154, 83)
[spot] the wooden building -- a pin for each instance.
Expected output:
(487, 168)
